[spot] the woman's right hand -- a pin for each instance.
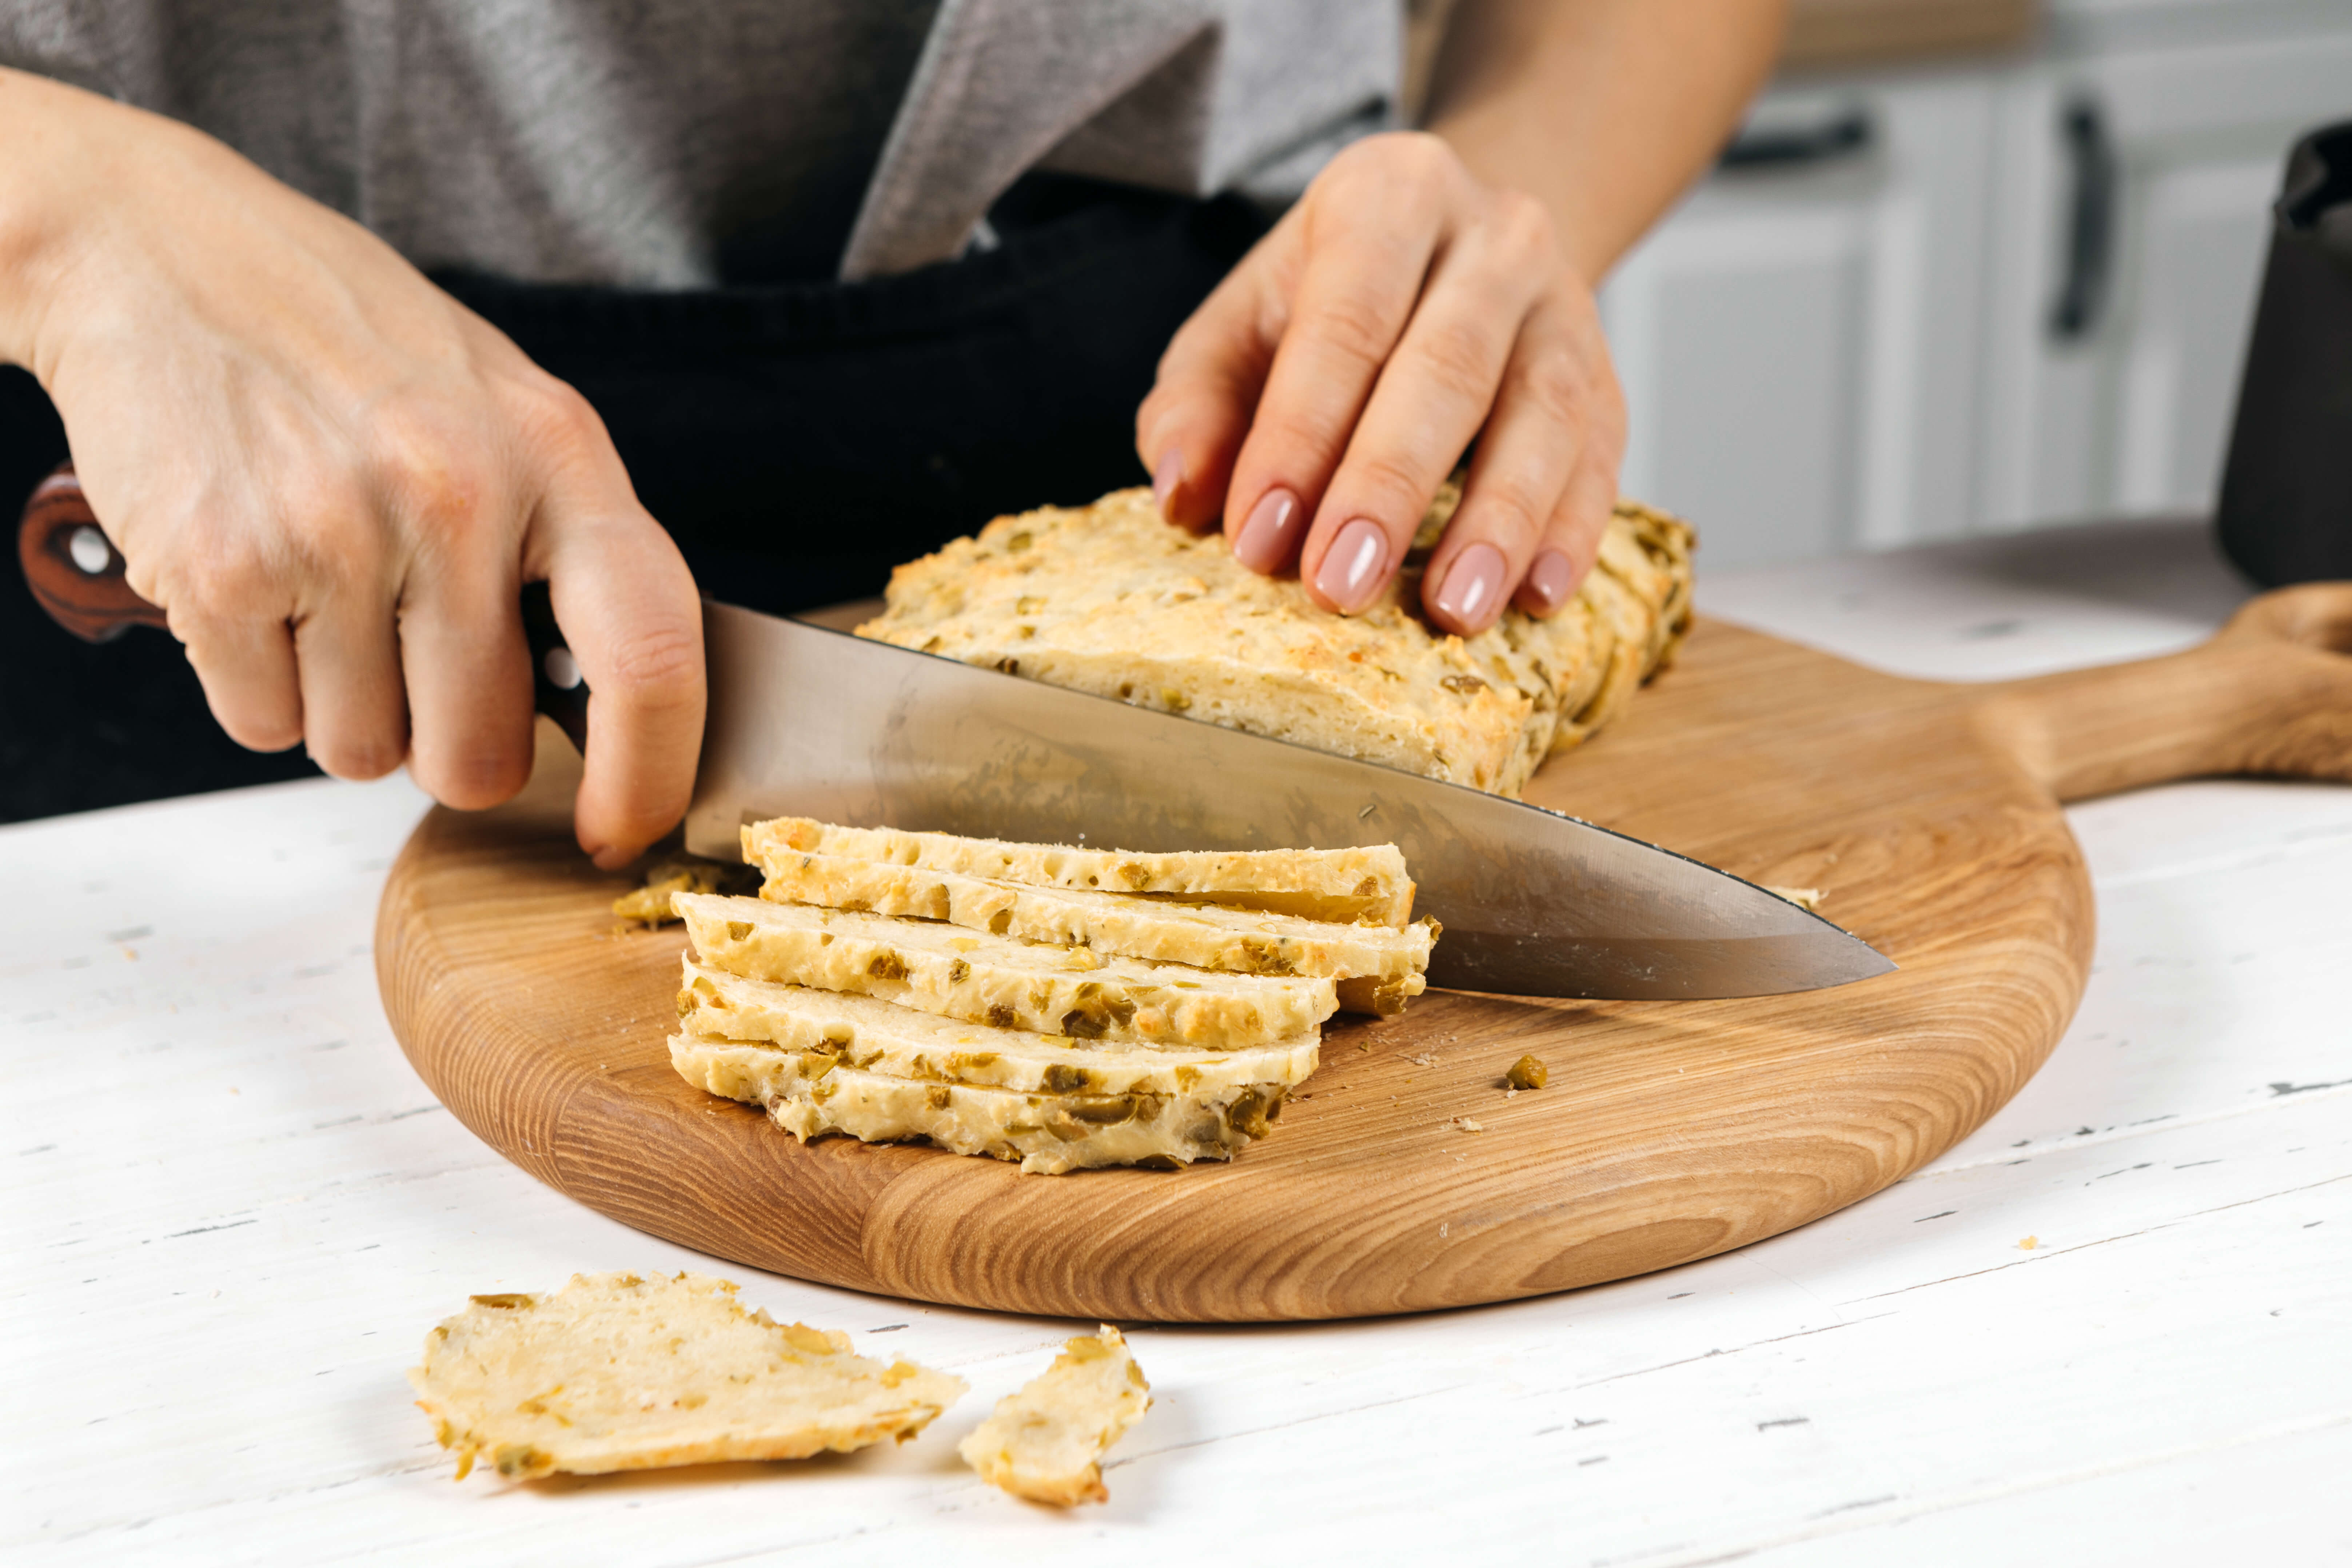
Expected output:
(332, 477)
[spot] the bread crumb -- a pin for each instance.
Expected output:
(2028, 1244)
(1527, 1072)
(1807, 899)
(1467, 1124)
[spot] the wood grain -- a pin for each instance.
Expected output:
(1670, 1132)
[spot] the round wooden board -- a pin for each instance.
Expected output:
(1669, 1131)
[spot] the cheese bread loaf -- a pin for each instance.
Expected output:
(1378, 968)
(1111, 599)
(1368, 883)
(1046, 1442)
(619, 1372)
(810, 1095)
(998, 980)
(899, 1042)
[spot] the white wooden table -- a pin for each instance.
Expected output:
(2112, 1326)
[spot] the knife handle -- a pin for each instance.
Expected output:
(76, 575)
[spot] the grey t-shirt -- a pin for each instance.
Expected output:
(676, 144)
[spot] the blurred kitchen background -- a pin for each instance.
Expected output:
(1974, 265)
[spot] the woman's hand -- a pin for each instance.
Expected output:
(332, 477)
(1318, 398)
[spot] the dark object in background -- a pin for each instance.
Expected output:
(2285, 512)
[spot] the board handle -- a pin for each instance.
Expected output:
(76, 575)
(2269, 693)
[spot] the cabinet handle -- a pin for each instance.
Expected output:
(2089, 222)
(1842, 135)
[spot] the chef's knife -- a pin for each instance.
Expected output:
(809, 721)
(813, 723)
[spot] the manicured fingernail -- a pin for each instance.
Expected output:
(1166, 476)
(1353, 568)
(1549, 580)
(1270, 532)
(1472, 583)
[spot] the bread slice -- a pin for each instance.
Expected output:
(899, 1042)
(811, 1096)
(1378, 968)
(620, 1372)
(997, 980)
(1046, 1442)
(1367, 883)
(1109, 599)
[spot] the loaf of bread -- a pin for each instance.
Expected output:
(1367, 883)
(621, 1372)
(1378, 968)
(810, 1095)
(899, 1042)
(997, 980)
(1111, 599)
(1046, 1442)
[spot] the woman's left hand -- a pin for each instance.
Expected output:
(1318, 398)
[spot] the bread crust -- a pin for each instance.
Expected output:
(1366, 882)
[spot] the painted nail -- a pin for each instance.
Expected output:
(1166, 476)
(1270, 532)
(1549, 580)
(1472, 582)
(1353, 567)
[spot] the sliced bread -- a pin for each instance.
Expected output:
(1000, 981)
(621, 1372)
(899, 1042)
(1378, 967)
(1365, 883)
(811, 1096)
(1046, 1442)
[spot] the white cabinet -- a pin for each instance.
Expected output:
(2131, 412)
(1794, 342)
(1863, 349)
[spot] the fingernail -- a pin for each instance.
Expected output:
(1472, 583)
(1166, 476)
(1353, 568)
(1270, 531)
(610, 859)
(1549, 580)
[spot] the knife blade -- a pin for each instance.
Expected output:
(809, 721)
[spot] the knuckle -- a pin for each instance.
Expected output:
(1558, 387)
(1461, 358)
(660, 664)
(435, 477)
(1525, 227)
(1353, 325)
(556, 418)
(1394, 484)
(1508, 512)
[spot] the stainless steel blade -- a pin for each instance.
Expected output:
(813, 722)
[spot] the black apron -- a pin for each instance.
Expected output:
(797, 440)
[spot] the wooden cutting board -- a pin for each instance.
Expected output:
(1928, 814)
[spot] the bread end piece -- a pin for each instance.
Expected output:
(623, 1372)
(1046, 1442)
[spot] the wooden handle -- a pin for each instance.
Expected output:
(73, 568)
(76, 572)
(2269, 693)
